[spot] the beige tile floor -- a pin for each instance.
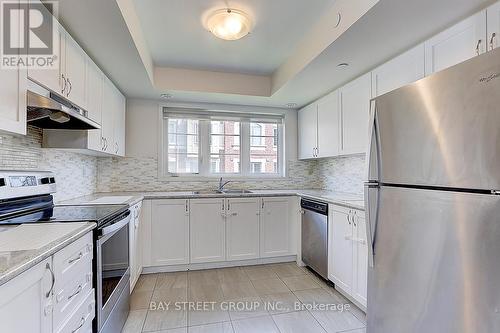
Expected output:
(275, 298)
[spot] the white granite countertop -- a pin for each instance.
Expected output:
(19, 253)
(350, 200)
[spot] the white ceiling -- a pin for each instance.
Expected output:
(389, 28)
(176, 37)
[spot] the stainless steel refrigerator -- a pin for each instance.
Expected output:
(433, 203)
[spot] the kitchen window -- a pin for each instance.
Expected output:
(216, 144)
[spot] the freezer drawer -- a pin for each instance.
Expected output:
(435, 262)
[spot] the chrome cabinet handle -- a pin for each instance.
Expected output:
(234, 214)
(80, 256)
(65, 84)
(492, 40)
(102, 143)
(70, 87)
(47, 295)
(348, 218)
(116, 147)
(77, 291)
(82, 322)
(478, 47)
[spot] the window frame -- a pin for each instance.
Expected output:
(204, 152)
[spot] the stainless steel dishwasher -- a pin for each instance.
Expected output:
(315, 236)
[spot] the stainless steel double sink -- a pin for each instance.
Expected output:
(223, 192)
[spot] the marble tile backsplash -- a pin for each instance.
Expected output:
(344, 174)
(141, 174)
(76, 174)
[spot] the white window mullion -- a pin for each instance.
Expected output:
(245, 148)
(281, 151)
(204, 148)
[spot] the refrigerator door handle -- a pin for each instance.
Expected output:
(371, 215)
(372, 151)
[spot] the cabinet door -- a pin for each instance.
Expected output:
(207, 230)
(275, 227)
(170, 232)
(355, 109)
(328, 125)
(132, 248)
(340, 249)
(108, 112)
(493, 26)
(400, 71)
(75, 61)
(94, 88)
(461, 42)
(308, 131)
(51, 78)
(13, 97)
(24, 303)
(360, 257)
(242, 228)
(119, 123)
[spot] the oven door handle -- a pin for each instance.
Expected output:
(115, 226)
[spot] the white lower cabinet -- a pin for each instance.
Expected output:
(242, 231)
(55, 295)
(26, 301)
(275, 227)
(135, 244)
(216, 230)
(207, 230)
(170, 232)
(348, 252)
(360, 258)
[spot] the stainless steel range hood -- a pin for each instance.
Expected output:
(49, 110)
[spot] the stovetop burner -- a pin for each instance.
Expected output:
(99, 214)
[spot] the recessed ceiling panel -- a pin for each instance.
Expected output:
(176, 35)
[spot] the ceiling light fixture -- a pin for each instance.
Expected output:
(229, 24)
(343, 65)
(166, 96)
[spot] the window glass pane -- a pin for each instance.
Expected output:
(224, 147)
(264, 148)
(224, 164)
(183, 146)
(182, 163)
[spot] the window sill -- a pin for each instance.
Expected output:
(194, 178)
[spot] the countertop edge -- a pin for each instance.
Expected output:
(51, 249)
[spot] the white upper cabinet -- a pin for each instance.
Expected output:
(13, 100)
(170, 232)
(461, 42)
(308, 131)
(400, 71)
(328, 125)
(26, 301)
(493, 26)
(119, 123)
(242, 228)
(207, 230)
(75, 61)
(275, 227)
(51, 78)
(354, 112)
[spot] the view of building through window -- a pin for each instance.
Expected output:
(216, 147)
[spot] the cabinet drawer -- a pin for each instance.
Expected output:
(73, 259)
(68, 297)
(81, 319)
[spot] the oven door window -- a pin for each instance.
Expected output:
(114, 263)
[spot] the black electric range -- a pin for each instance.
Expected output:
(39, 210)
